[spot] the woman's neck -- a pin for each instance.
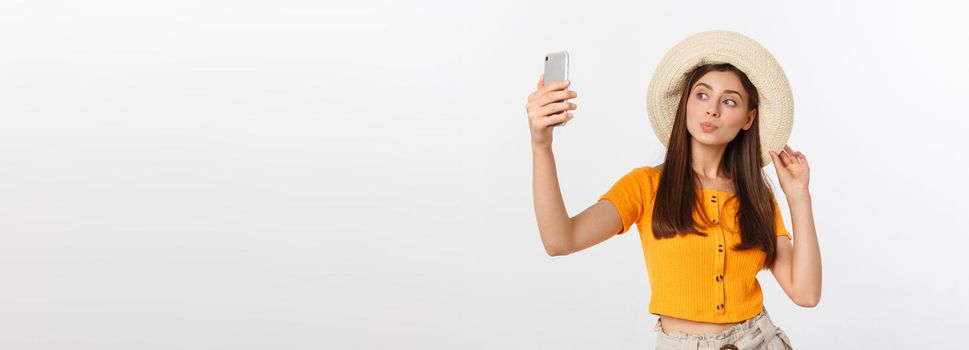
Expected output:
(707, 161)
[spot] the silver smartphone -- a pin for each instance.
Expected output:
(557, 68)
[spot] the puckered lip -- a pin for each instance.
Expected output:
(709, 125)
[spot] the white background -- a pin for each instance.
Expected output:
(357, 175)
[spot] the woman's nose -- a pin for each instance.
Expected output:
(713, 114)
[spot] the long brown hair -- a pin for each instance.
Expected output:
(672, 212)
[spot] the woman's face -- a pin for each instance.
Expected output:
(719, 99)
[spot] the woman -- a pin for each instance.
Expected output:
(716, 101)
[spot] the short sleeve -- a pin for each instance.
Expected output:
(627, 196)
(779, 221)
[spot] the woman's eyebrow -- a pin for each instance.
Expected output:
(725, 91)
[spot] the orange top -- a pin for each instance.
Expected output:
(694, 277)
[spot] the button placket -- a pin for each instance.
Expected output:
(716, 209)
(721, 256)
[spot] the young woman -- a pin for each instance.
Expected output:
(702, 251)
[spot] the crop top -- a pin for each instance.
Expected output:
(690, 276)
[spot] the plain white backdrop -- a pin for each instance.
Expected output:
(357, 175)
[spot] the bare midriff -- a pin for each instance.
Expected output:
(670, 324)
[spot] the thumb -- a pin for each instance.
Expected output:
(541, 81)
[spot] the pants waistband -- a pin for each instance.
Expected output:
(762, 321)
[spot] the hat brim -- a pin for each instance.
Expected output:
(776, 109)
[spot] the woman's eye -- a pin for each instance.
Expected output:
(729, 102)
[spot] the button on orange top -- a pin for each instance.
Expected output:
(679, 268)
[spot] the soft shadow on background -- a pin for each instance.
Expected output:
(357, 175)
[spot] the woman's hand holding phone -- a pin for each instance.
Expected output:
(547, 106)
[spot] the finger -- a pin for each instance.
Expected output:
(555, 108)
(775, 158)
(791, 155)
(801, 157)
(556, 96)
(544, 90)
(778, 158)
(787, 157)
(541, 81)
(550, 109)
(558, 85)
(556, 118)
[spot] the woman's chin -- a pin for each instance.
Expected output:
(710, 139)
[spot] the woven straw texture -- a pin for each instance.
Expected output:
(776, 111)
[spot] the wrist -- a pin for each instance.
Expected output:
(541, 148)
(798, 193)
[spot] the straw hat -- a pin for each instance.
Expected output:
(776, 110)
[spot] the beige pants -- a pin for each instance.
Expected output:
(757, 333)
